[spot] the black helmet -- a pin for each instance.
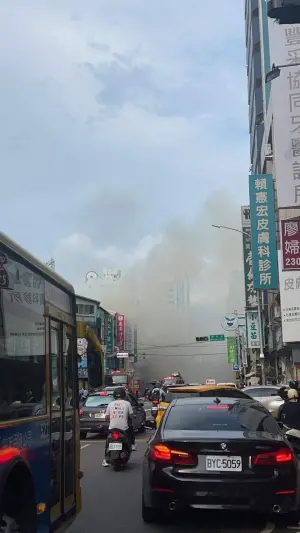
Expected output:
(120, 393)
(293, 384)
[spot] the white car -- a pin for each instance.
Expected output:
(269, 395)
(228, 385)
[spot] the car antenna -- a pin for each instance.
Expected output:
(217, 400)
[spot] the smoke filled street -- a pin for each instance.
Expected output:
(112, 501)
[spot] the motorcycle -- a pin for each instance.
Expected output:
(118, 449)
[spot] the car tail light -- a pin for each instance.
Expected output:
(115, 435)
(155, 402)
(218, 406)
(80, 412)
(164, 454)
(280, 457)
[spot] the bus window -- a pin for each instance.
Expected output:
(22, 340)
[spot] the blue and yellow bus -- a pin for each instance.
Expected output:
(39, 424)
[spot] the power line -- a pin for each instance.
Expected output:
(182, 355)
(179, 345)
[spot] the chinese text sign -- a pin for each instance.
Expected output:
(231, 350)
(263, 231)
(285, 50)
(290, 239)
(252, 330)
(250, 292)
(120, 325)
(290, 303)
(109, 334)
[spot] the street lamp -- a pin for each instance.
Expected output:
(275, 72)
(231, 229)
(261, 347)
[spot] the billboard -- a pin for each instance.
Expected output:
(120, 332)
(263, 232)
(109, 333)
(252, 330)
(289, 282)
(231, 350)
(285, 50)
(250, 293)
(290, 244)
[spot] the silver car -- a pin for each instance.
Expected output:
(269, 395)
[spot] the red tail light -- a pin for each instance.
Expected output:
(280, 457)
(155, 402)
(115, 435)
(164, 454)
(218, 406)
(80, 412)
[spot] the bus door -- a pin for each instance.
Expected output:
(62, 416)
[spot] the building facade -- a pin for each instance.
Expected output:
(280, 358)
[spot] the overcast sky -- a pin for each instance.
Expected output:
(117, 117)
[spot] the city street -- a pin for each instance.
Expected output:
(112, 500)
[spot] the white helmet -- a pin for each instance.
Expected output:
(292, 394)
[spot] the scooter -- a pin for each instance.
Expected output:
(118, 449)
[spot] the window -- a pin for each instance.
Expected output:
(258, 83)
(22, 341)
(85, 309)
(98, 401)
(237, 417)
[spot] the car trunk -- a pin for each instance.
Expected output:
(231, 451)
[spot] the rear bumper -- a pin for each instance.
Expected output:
(258, 496)
(221, 499)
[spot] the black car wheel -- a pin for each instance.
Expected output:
(83, 435)
(149, 514)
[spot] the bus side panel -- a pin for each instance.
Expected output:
(32, 441)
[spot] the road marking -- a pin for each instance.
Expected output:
(268, 528)
(85, 446)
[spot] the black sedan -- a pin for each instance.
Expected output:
(211, 453)
(92, 413)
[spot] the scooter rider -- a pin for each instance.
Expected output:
(120, 414)
(289, 412)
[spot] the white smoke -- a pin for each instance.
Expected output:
(193, 256)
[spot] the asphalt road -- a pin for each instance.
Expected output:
(112, 501)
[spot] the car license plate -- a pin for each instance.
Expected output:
(115, 446)
(223, 463)
(100, 415)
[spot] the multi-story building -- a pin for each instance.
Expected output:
(261, 129)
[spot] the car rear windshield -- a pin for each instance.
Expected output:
(213, 417)
(120, 380)
(262, 392)
(222, 393)
(98, 401)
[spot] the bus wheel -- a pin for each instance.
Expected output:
(18, 505)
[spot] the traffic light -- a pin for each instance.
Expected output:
(284, 11)
(202, 339)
